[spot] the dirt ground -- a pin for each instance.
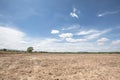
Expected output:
(59, 66)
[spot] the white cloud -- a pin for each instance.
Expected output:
(101, 41)
(96, 34)
(66, 35)
(11, 38)
(71, 27)
(87, 32)
(116, 42)
(86, 35)
(92, 34)
(68, 28)
(74, 13)
(75, 40)
(54, 31)
(108, 13)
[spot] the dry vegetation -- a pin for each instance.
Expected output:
(59, 66)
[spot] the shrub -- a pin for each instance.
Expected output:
(29, 49)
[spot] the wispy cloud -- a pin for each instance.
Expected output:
(92, 33)
(86, 32)
(96, 34)
(74, 13)
(71, 27)
(102, 41)
(108, 13)
(75, 40)
(84, 35)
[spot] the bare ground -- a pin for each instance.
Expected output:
(59, 66)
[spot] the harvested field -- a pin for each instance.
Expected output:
(59, 66)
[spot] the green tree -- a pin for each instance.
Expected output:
(30, 49)
(4, 49)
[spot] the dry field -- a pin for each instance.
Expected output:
(59, 66)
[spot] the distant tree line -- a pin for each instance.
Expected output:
(11, 50)
(30, 50)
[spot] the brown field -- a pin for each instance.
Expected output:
(59, 66)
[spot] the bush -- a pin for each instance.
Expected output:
(29, 49)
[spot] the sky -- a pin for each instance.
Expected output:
(60, 25)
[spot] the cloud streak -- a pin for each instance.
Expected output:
(97, 34)
(108, 13)
(87, 32)
(92, 33)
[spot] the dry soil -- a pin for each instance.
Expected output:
(59, 66)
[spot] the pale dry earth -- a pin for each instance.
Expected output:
(59, 66)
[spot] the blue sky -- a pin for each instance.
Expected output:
(60, 25)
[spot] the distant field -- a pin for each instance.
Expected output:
(59, 66)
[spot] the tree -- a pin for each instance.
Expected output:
(4, 49)
(30, 49)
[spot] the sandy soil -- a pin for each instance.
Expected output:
(59, 66)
